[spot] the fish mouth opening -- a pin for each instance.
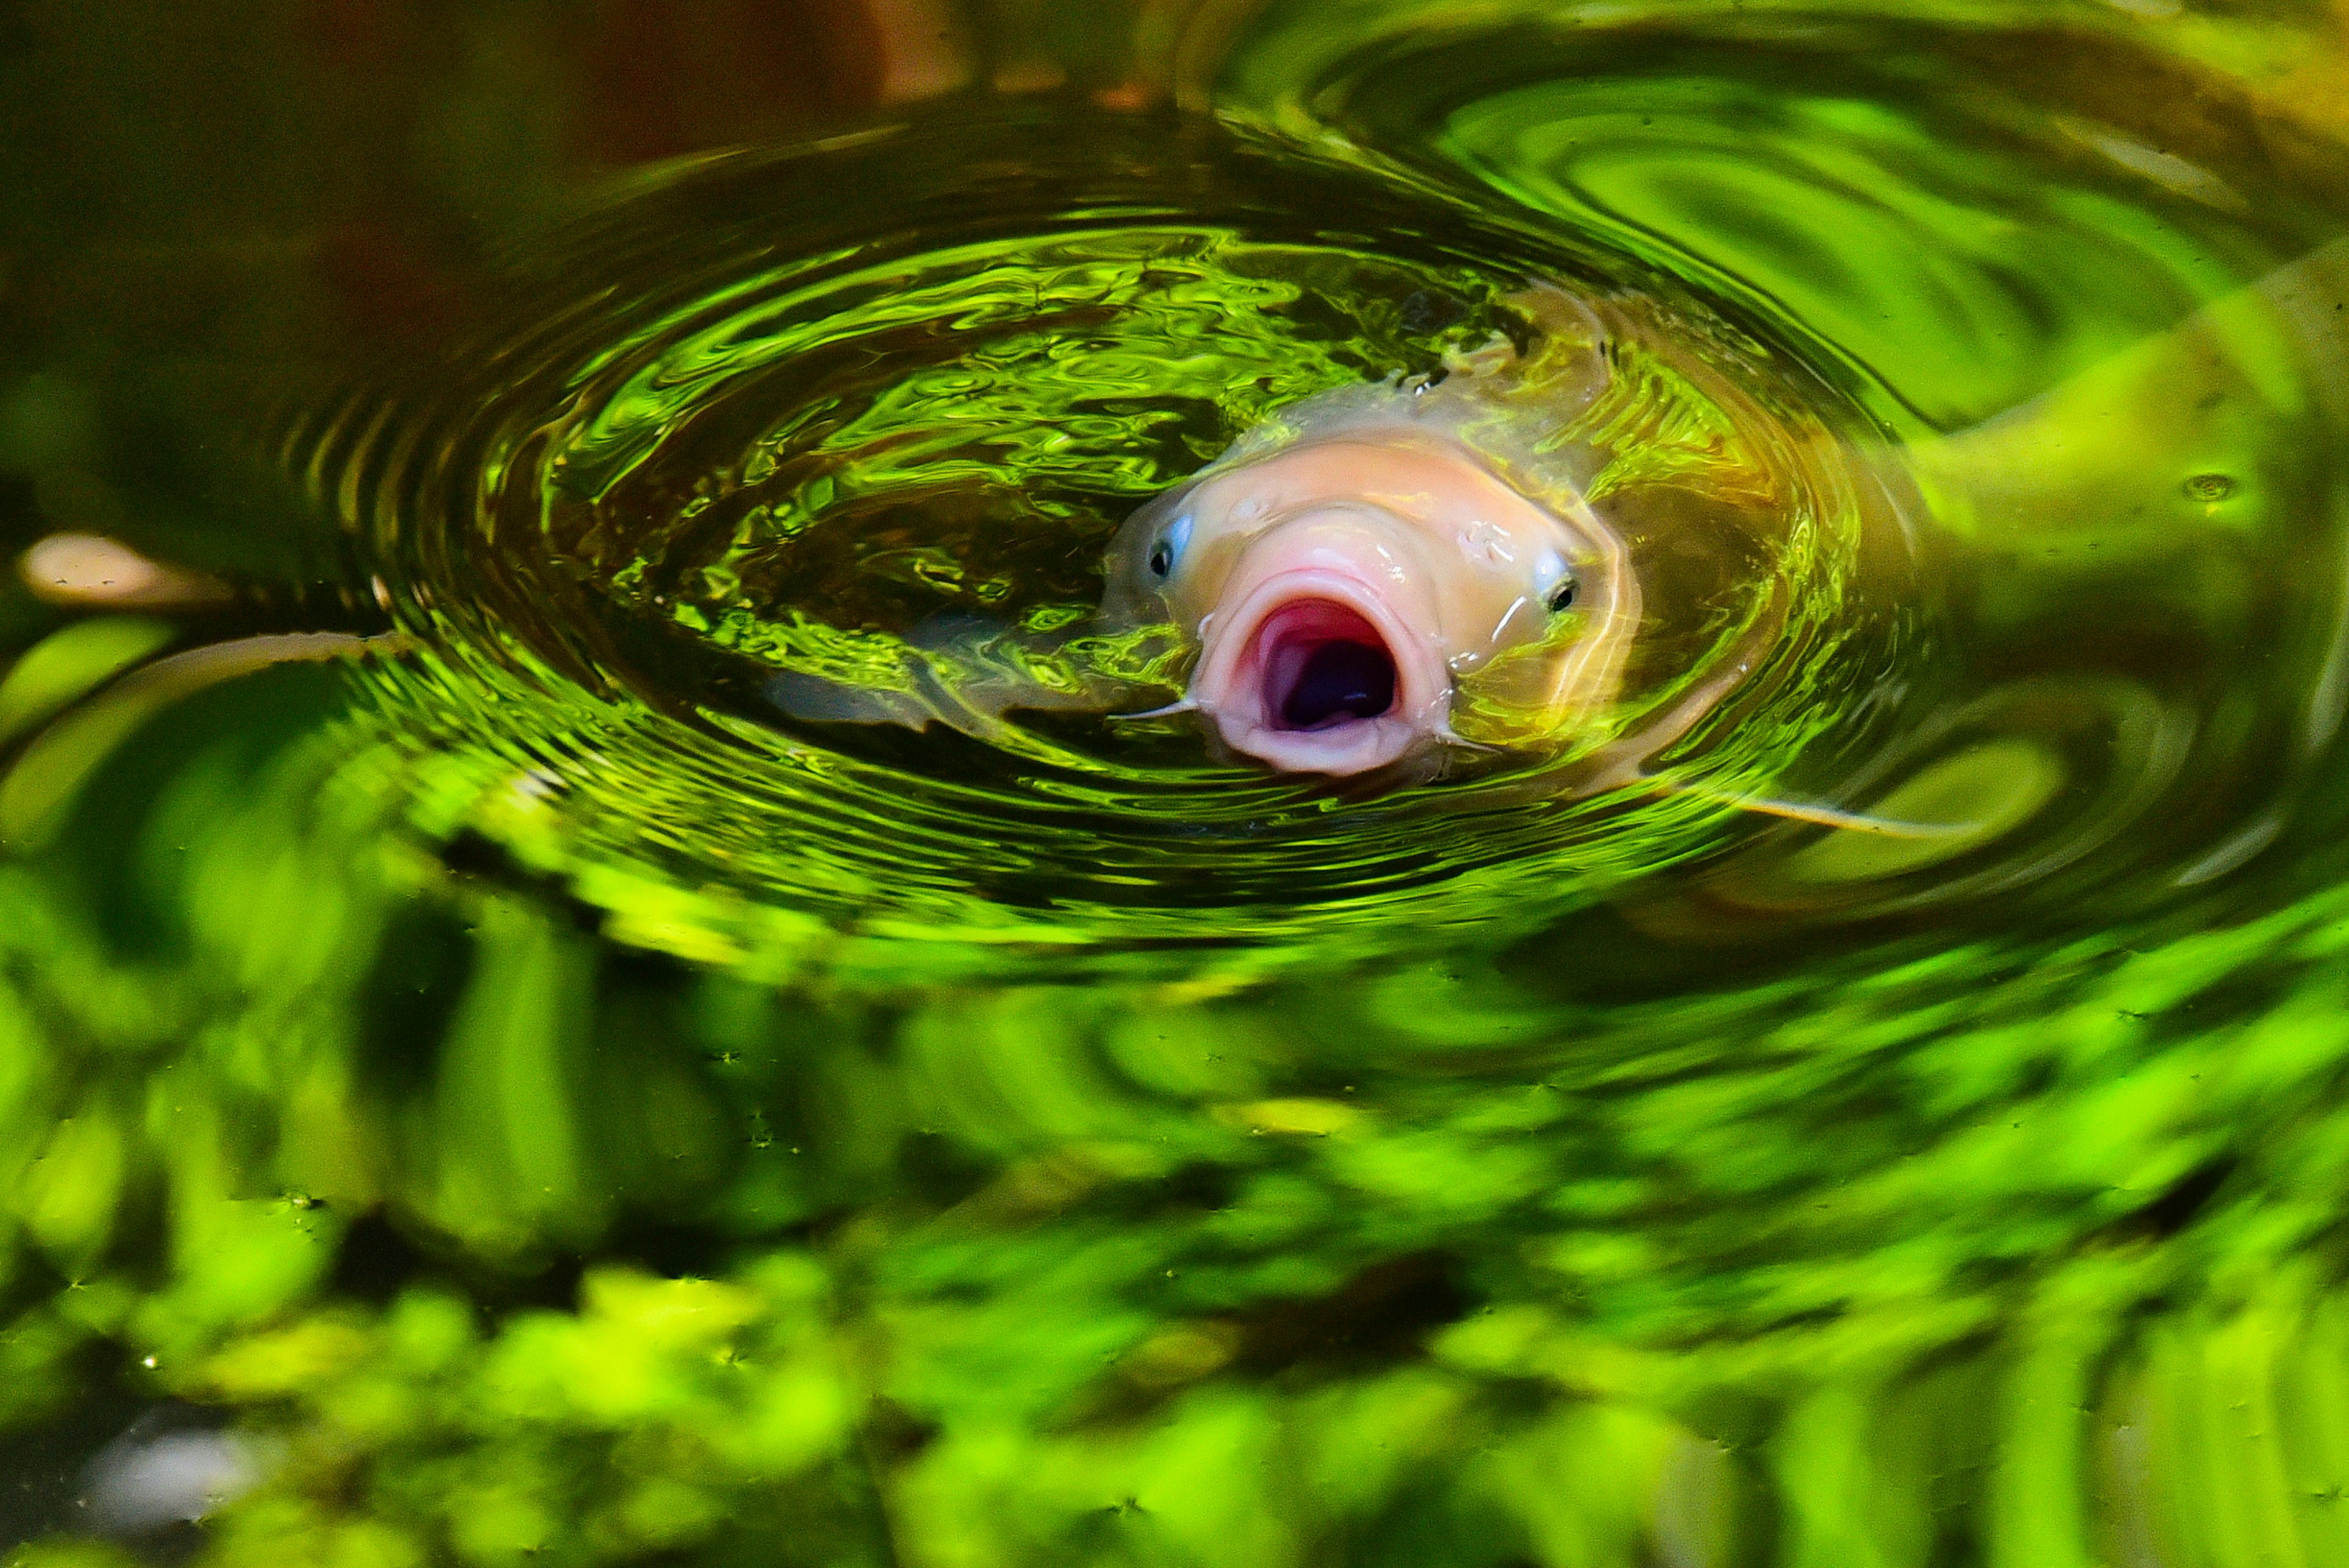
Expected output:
(1322, 665)
(1319, 672)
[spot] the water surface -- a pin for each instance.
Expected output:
(551, 1101)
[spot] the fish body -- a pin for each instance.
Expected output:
(1384, 571)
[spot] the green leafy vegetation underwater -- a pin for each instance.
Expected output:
(551, 1106)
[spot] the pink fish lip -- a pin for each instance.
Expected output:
(1314, 671)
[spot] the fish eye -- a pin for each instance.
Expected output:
(1166, 550)
(1555, 581)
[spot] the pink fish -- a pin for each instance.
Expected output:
(1360, 567)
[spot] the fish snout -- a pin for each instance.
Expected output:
(1325, 666)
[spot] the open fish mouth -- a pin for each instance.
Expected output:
(1315, 673)
(1321, 664)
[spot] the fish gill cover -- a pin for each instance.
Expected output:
(551, 1101)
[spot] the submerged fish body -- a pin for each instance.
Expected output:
(1579, 543)
(1500, 556)
(1362, 570)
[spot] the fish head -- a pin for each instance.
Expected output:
(1337, 588)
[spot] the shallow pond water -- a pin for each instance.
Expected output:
(495, 1067)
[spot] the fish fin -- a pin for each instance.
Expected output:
(819, 700)
(930, 700)
(964, 672)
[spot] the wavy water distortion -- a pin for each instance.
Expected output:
(746, 481)
(725, 1040)
(743, 482)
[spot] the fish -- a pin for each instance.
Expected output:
(1370, 564)
(1337, 579)
(1352, 572)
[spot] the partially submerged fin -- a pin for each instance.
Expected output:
(819, 699)
(963, 673)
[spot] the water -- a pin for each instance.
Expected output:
(548, 1100)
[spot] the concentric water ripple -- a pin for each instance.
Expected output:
(858, 419)
(739, 437)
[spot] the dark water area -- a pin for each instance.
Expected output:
(587, 976)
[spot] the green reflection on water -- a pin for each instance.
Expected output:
(517, 1215)
(1085, 1272)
